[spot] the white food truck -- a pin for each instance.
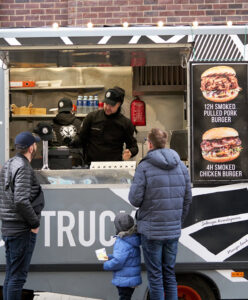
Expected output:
(164, 67)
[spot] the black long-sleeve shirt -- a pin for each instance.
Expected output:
(103, 137)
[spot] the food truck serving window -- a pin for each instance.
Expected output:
(219, 104)
(85, 177)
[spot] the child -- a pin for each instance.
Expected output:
(126, 260)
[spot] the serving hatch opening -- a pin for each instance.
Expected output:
(72, 47)
(98, 57)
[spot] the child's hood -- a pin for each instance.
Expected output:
(133, 240)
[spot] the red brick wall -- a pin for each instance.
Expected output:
(35, 13)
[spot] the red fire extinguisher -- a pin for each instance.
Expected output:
(138, 112)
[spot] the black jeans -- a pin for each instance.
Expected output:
(125, 293)
(19, 250)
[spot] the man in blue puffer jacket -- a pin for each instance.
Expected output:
(161, 189)
(125, 261)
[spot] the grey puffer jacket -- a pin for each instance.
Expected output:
(21, 197)
(161, 189)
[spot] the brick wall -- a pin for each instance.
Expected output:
(35, 13)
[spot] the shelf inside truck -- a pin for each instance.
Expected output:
(52, 88)
(49, 116)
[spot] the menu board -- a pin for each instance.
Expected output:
(219, 131)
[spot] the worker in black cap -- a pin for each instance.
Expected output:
(66, 127)
(104, 132)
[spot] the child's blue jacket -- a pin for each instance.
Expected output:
(125, 261)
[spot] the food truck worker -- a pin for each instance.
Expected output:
(104, 132)
(66, 127)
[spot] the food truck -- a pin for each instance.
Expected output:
(193, 82)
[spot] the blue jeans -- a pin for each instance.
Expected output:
(160, 259)
(18, 251)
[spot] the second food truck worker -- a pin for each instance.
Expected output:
(104, 132)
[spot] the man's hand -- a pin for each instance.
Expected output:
(35, 230)
(126, 155)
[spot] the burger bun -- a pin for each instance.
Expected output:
(218, 70)
(219, 133)
(216, 159)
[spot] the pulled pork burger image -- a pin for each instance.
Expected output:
(221, 144)
(219, 84)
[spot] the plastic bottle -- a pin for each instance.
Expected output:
(91, 106)
(79, 104)
(85, 111)
(88, 105)
(96, 102)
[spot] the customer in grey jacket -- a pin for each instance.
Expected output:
(161, 189)
(21, 203)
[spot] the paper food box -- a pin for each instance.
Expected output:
(30, 110)
(22, 110)
(38, 111)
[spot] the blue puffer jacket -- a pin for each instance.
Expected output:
(162, 191)
(125, 261)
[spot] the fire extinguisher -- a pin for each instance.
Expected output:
(138, 112)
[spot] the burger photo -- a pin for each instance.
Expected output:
(220, 84)
(221, 144)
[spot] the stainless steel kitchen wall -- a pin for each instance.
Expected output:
(163, 111)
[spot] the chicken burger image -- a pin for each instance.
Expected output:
(219, 84)
(221, 144)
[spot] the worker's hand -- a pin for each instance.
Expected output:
(105, 257)
(35, 230)
(126, 155)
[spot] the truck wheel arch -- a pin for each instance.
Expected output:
(199, 286)
(194, 286)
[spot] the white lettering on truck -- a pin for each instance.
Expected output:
(47, 215)
(67, 229)
(92, 229)
(66, 224)
(102, 219)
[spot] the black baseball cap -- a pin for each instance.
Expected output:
(25, 139)
(64, 104)
(44, 130)
(114, 95)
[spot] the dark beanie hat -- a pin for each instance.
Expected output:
(123, 222)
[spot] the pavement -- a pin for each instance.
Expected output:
(53, 296)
